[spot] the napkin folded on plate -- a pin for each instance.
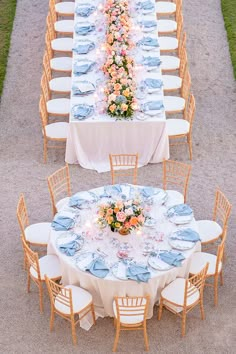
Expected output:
(152, 106)
(186, 235)
(148, 42)
(148, 192)
(179, 210)
(153, 83)
(84, 29)
(82, 111)
(98, 268)
(138, 272)
(151, 61)
(111, 189)
(80, 69)
(146, 5)
(83, 87)
(84, 48)
(69, 248)
(76, 201)
(149, 24)
(62, 222)
(172, 258)
(84, 11)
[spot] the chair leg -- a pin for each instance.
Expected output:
(160, 309)
(202, 308)
(145, 336)
(73, 332)
(190, 147)
(116, 337)
(216, 290)
(45, 150)
(41, 297)
(52, 319)
(183, 323)
(28, 281)
(93, 314)
(221, 278)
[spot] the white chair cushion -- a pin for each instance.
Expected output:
(62, 44)
(62, 202)
(57, 130)
(80, 299)
(174, 103)
(168, 43)
(64, 26)
(59, 106)
(169, 62)
(174, 198)
(171, 82)
(174, 292)
(38, 233)
(61, 64)
(65, 7)
(60, 84)
(200, 259)
(208, 230)
(165, 7)
(177, 126)
(130, 319)
(48, 265)
(165, 26)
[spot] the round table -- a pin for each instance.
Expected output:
(107, 243)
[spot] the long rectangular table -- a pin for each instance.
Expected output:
(90, 141)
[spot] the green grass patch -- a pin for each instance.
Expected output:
(7, 14)
(229, 14)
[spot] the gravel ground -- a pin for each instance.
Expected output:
(22, 328)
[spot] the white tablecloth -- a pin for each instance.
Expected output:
(90, 141)
(104, 290)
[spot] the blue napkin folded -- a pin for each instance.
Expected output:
(148, 191)
(84, 48)
(70, 248)
(149, 24)
(61, 223)
(80, 69)
(186, 235)
(76, 201)
(153, 83)
(148, 41)
(179, 210)
(98, 268)
(82, 111)
(138, 272)
(111, 189)
(146, 5)
(151, 61)
(84, 29)
(152, 106)
(84, 11)
(172, 258)
(77, 92)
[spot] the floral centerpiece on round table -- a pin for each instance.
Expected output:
(122, 216)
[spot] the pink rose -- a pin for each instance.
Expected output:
(121, 216)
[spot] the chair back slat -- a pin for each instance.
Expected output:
(32, 259)
(46, 67)
(50, 28)
(179, 28)
(195, 284)
(22, 214)
(43, 114)
(45, 88)
(124, 165)
(185, 89)
(183, 64)
(222, 208)
(59, 185)
(48, 46)
(132, 306)
(59, 294)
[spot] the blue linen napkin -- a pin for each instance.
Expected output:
(82, 111)
(153, 83)
(172, 258)
(84, 11)
(152, 106)
(110, 189)
(148, 191)
(83, 30)
(179, 210)
(62, 223)
(69, 248)
(77, 92)
(84, 48)
(186, 235)
(149, 24)
(76, 201)
(80, 69)
(98, 268)
(151, 61)
(148, 41)
(138, 272)
(146, 5)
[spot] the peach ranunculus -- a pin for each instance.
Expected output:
(109, 211)
(116, 210)
(124, 107)
(112, 108)
(121, 216)
(133, 221)
(109, 219)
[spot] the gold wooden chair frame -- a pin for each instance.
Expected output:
(63, 14)
(127, 308)
(173, 13)
(192, 286)
(59, 185)
(53, 36)
(124, 165)
(182, 69)
(179, 34)
(54, 18)
(222, 210)
(177, 174)
(177, 19)
(49, 52)
(63, 296)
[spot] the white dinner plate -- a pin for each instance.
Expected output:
(156, 263)
(181, 245)
(84, 259)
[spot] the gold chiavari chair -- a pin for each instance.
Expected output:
(52, 133)
(58, 64)
(37, 268)
(63, 8)
(215, 269)
(59, 84)
(59, 185)
(173, 82)
(182, 295)
(211, 230)
(176, 174)
(130, 314)
(169, 26)
(60, 45)
(69, 302)
(171, 44)
(63, 26)
(171, 63)
(182, 128)
(168, 8)
(124, 165)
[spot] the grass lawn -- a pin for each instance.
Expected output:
(7, 14)
(229, 13)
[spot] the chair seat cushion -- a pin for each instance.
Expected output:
(169, 62)
(177, 127)
(130, 319)
(171, 82)
(65, 8)
(80, 299)
(174, 103)
(57, 130)
(209, 230)
(38, 233)
(200, 259)
(62, 44)
(62, 202)
(61, 64)
(174, 198)
(165, 26)
(174, 292)
(48, 265)
(64, 26)
(59, 106)
(165, 7)
(60, 84)
(168, 43)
